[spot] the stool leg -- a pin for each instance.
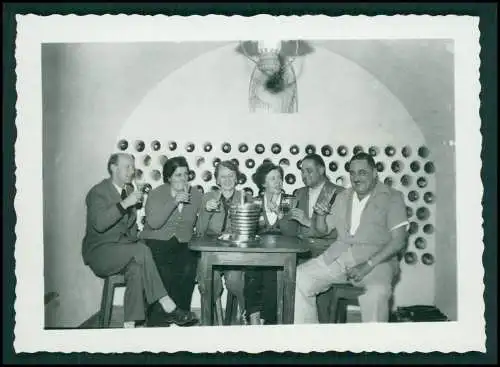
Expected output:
(234, 310)
(334, 305)
(218, 311)
(106, 304)
(341, 311)
(229, 309)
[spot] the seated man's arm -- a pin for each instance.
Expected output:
(103, 213)
(397, 222)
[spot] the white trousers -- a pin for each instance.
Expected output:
(315, 277)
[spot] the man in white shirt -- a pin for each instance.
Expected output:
(317, 188)
(370, 219)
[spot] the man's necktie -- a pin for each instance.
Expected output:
(124, 194)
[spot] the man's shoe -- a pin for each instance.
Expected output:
(158, 317)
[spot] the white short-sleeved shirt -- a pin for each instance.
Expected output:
(313, 197)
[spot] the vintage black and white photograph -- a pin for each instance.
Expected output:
(227, 184)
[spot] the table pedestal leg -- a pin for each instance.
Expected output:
(207, 300)
(289, 272)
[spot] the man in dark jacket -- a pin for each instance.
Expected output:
(111, 246)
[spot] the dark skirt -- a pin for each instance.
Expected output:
(176, 264)
(261, 293)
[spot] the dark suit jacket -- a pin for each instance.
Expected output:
(106, 223)
(318, 242)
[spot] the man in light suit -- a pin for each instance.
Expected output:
(371, 223)
(111, 246)
(317, 188)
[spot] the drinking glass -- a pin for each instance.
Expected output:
(287, 203)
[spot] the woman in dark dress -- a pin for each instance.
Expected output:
(261, 284)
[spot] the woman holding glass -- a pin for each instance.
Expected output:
(171, 212)
(214, 220)
(261, 285)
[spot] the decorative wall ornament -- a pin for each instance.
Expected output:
(273, 83)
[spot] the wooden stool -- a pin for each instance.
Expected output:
(108, 292)
(231, 314)
(343, 295)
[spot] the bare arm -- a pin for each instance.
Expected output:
(394, 246)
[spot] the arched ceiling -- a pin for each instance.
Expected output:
(419, 72)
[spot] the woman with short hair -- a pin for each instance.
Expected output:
(261, 284)
(171, 213)
(214, 220)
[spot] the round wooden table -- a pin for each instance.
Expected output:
(270, 250)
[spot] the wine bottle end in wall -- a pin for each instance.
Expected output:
(415, 166)
(276, 148)
(410, 258)
(243, 148)
(357, 149)
(190, 147)
(427, 259)
(226, 147)
(250, 163)
(207, 147)
(342, 150)
(413, 195)
(423, 152)
(420, 243)
(294, 149)
(172, 145)
(373, 151)
(215, 162)
(397, 166)
(333, 166)
(206, 176)
(290, 178)
(406, 151)
(259, 148)
(191, 176)
(146, 160)
(423, 213)
(284, 162)
(380, 166)
(122, 144)
(326, 150)
(155, 145)
(422, 182)
(429, 197)
(406, 180)
(310, 149)
(429, 168)
(390, 151)
(242, 179)
(155, 175)
(139, 145)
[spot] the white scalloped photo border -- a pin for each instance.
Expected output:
(467, 334)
